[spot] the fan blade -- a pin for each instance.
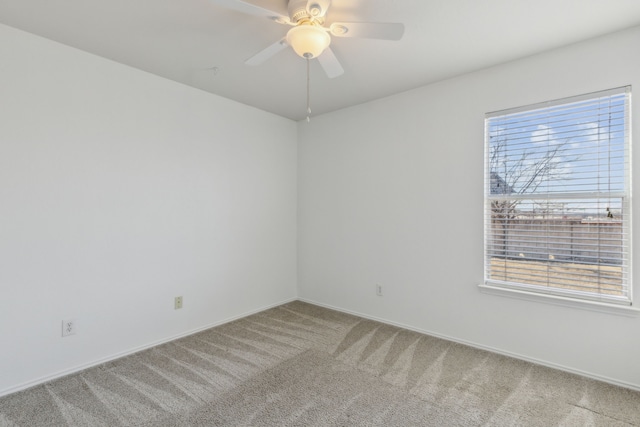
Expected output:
(368, 30)
(318, 8)
(330, 63)
(267, 53)
(251, 9)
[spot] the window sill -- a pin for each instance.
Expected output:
(601, 307)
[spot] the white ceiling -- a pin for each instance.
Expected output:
(203, 45)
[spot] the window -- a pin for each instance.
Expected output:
(557, 205)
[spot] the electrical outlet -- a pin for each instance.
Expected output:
(379, 290)
(68, 327)
(177, 303)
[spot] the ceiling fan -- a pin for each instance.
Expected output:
(308, 36)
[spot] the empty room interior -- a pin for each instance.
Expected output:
(177, 176)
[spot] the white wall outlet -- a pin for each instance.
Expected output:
(177, 303)
(68, 327)
(379, 290)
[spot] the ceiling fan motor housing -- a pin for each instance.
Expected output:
(300, 10)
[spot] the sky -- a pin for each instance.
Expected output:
(571, 152)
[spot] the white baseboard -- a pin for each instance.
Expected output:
(482, 347)
(131, 351)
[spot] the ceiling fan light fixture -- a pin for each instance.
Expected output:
(308, 40)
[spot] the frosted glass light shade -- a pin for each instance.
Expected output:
(308, 41)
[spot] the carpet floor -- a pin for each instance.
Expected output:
(303, 365)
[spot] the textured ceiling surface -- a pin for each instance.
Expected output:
(203, 44)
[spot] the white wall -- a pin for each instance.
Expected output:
(120, 190)
(391, 193)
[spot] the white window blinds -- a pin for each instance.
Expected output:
(557, 208)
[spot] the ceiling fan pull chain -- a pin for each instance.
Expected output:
(308, 89)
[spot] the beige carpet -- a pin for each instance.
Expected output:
(302, 365)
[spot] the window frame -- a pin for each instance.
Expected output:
(559, 295)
